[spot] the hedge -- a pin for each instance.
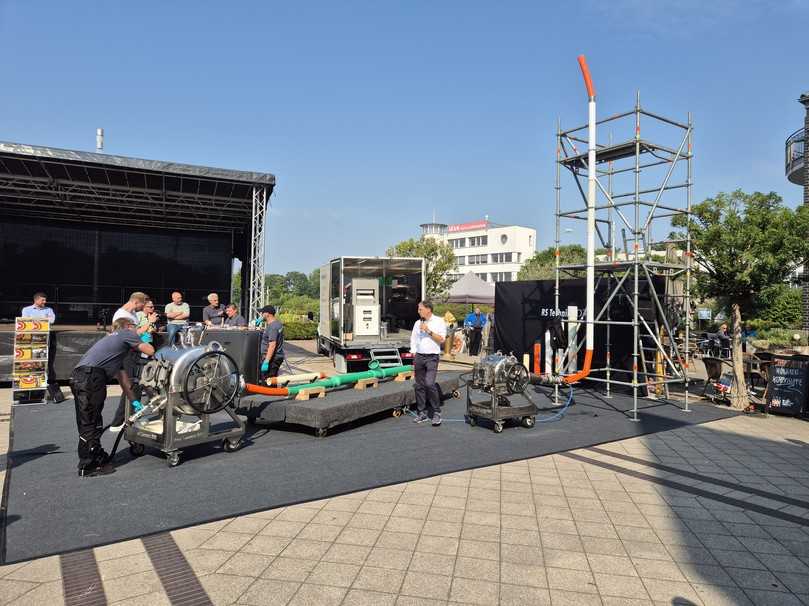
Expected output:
(300, 330)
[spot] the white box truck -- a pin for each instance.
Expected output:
(368, 306)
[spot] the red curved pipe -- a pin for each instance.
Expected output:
(578, 376)
(588, 82)
(266, 391)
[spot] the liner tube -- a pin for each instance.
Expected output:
(304, 377)
(591, 222)
(328, 383)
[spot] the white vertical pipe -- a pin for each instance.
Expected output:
(591, 217)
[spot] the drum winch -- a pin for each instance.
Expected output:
(499, 376)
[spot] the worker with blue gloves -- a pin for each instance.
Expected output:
(103, 362)
(272, 343)
(475, 321)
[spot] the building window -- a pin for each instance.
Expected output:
(501, 257)
(477, 259)
(503, 239)
(530, 241)
(501, 276)
(460, 260)
(478, 241)
(482, 277)
(457, 242)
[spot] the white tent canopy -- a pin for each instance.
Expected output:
(471, 289)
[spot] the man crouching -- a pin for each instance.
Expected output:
(88, 383)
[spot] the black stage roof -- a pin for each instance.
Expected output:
(54, 184)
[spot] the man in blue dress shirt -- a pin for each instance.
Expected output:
(39, 311)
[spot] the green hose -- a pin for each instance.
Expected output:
(349, 378)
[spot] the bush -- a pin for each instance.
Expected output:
(783, 337)
(296, 330)
(780, 306)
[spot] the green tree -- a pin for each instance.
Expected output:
(296, 283)
(542, 266)
(438, 257)
(779, 306)
(744, 244)
(274, 287)
(314, 283)
(236, 288)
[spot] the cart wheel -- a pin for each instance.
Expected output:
(397, 412)
(231, 445)
(498, 427)
(473, 421)
(173, 458)
(321, 432)
(528, 422)
(136, 450)
(456, 394)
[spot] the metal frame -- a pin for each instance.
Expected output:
(661, 188)
(255, 297)
(67, 186)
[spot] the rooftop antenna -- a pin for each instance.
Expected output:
(99, 140)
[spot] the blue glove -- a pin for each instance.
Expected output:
(258, 321)
(136, 405)
(146, 337)
(265, 366)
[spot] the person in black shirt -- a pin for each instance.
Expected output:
(103, 362)
(233, 319)
(272, 343)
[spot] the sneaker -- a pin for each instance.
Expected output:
(437, 419)
(421, 418)
(116, 428)
(96, 470)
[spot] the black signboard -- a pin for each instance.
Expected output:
(787, 385)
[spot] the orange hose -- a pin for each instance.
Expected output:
(266, 391)
(537, 355)
(578, 376)
(588, 82)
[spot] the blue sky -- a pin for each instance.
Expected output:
(373, 114)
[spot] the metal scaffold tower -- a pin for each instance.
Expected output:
(641, 186)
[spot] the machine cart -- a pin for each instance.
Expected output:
(495, 379)
(186, 387)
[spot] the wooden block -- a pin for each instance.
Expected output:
(305, 394)
(365, 383)
(404, 376)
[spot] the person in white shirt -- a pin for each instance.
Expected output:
(425, 342)
(130, 309)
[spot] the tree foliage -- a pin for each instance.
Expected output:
(542, 266)
(743, 245)
(439, 259)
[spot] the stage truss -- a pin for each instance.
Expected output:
(641, 186)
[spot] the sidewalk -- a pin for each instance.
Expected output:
(709, 514)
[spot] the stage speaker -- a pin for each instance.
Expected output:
(241, 345)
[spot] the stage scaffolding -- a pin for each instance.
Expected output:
(641, 186)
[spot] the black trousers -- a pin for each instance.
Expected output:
(428, 400)
(274, 369)
(133, 364)
(475, 336)
(89, 387)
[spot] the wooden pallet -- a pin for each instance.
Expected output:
(312, 392)
(404, 376)
(366, 383)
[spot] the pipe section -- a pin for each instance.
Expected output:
(328, 383)
(591, 221)
(304, 377)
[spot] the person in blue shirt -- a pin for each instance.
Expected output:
(38, 310)
(475, 321)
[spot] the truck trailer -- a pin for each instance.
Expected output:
(368, 306)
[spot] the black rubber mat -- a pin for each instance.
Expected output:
(51, 510)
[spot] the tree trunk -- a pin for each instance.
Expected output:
(739, 393)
